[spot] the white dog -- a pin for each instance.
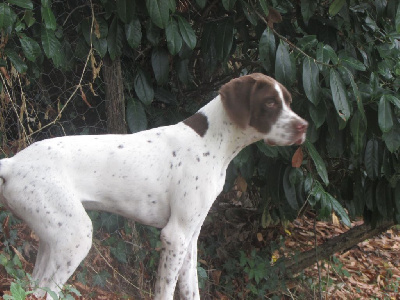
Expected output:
(166, 177)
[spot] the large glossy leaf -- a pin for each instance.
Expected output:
(267, 150)
(49, 18)
(391, 137)
(50, 43)
(187, 32)
(338, 208)
(30, 47)
(283, 65)
(336, 6)
(325, 54)
(114, 39)
(135, 116)
(27, 4)
(133, 32)
(143, 88)
(307, 9)
(174, 39)
(394, 100)
(16, 61)
(318, 162)
(381, 195)
(7, 16)
(318, 114)
(290, 189)
(356, 93)
(158, 11)
(385, 115)
(267, 48)
(311, 80)
(372, 159)
(358, 130)
(160, 64)
(339, 95)
(224, 38)
(228, 4)
(126, 10)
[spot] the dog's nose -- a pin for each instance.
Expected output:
(301, 126)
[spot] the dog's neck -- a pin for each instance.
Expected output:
(224, 136)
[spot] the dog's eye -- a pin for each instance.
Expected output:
(270, 103)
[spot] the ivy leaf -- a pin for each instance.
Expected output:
(133, 33)
(100, 279)
(30, 47)
(385, 117)
(318, 162)
(160, 64)
(187, 32)
(339, 95)
(158, 11)
(174, 39)
(283, 65)
(143, 88)
(311, 80)
(27, 4)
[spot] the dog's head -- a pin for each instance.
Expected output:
(261, 102)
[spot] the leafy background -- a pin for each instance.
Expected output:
(340, 60)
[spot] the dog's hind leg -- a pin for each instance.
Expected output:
(65, 237)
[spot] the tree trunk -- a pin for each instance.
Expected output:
(115, 100)
(289, 267)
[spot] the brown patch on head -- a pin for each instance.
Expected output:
(252, 100)
(198, 122)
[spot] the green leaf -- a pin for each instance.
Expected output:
(172, 5)
(201, 3)
(126, 10)
(187, 32)
(311, 80)
(318, 162)
(27, 4)
(391, 137)
(267, 150)
(394, 100)
(160, 64)
(267, 48)
(30, 47)
(28, 18)
(224, 38)
(228, 4)
(397, 19)
(381, 197)
(143, 88)
(318, 114)
(338, 208)
(114, 39)
(372, 159)
(48, 17)
(119, 252)
(353, 63)
(290, 189)
(17, 291)
(356, 93)
(16, 61)
(339, 95)
(100, 279)
(158, 11)
(174, 39)
(336, 6)
(385, 116)
(308, 8)
(283, 65)
(7, 16)
(133, 32)
(264, 7)
(325, 53)
(358, 130)
(183, 71)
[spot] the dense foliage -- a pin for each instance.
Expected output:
(340, 59)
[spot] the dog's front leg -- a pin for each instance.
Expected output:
(175, 242)
(188, 281)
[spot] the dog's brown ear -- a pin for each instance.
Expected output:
(235, 96)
